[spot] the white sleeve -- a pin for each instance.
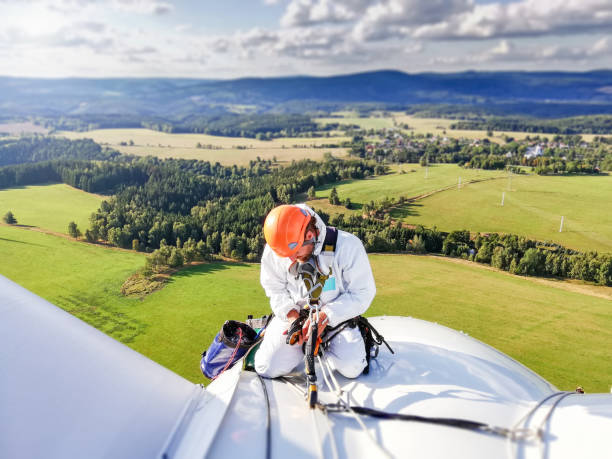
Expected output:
(360, 287)
(274, 282)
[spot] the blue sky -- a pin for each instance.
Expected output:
(238, 38)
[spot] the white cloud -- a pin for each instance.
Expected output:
(127, 37)
(395, 18)
(155, 7)
(510, 52)
(527, 18)
(143, 6)
(451, 19)
(310, 12)
(183, 28)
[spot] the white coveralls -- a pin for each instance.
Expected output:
(347, 293)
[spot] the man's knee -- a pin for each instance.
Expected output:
(270, 368)
(348, 353)
(264, 369)
(351, 370)
(275, 358)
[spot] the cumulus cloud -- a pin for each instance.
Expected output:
(451, 19)
(143, 6)
(310, 12)
(74, 40)
(155, 7)
(394, 18)
(91, 26)
(527, 18)
(87, 34)
(303, 43)
(314, 36)
(509, 52)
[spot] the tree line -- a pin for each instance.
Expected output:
(594, 124)
(184, 210)
(266, 125)
(564, 154)
(37, 148)
(222, 214)
(523, 256)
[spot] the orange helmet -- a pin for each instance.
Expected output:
(284, 229)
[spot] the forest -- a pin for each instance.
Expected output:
(260, 125)
(37, 148)
(185, 210)
(594, 124)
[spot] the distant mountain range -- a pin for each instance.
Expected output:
(544, 93)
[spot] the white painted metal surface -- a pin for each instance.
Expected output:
(436, 372)
(67, 390)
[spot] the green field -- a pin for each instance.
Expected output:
(441, 127)
(533, 321)
(172, 326)
(415, 181)
(435, 126)
(533, 206)
(81, 278)
(363, 123)
(226, 150)
(50, 207)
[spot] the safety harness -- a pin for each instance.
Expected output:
(314, 281)
(371, 338)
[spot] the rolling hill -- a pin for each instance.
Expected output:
(548, 93)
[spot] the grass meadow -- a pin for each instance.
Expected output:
(50, 207)
(563, 335)
(533, 205)
(19, 128)
(435, 126)
(364, 123)
(241, 150)
(226, 150)
(415, 181)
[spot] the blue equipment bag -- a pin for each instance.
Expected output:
(230, 344)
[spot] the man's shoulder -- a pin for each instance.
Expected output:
(269, 258)
(347, 240)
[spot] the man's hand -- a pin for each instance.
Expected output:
(292, 315)
(323, 321)
(294, 331)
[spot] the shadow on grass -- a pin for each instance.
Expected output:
(21, 242)
(206, 268)
(409, 209)
(329, 186)
(23, 187)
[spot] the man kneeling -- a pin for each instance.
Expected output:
(299, 243)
